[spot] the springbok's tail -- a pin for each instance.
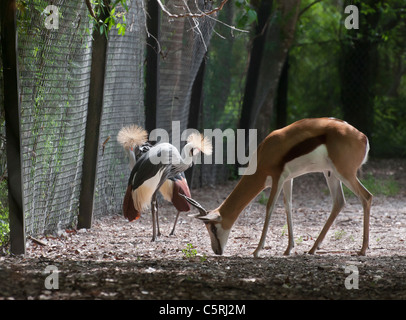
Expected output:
(366, 153)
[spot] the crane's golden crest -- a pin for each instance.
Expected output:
(131, 136)
(200, 142)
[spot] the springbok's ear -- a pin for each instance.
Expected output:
(197, 205)
(210, 217)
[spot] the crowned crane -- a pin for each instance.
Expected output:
(134, 141)
(160, 163)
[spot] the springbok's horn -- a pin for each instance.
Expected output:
(197, 205)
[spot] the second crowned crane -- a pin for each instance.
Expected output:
(159, 167)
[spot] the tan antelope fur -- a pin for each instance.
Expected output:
(323, 145)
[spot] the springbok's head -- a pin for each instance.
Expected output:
(213, 222)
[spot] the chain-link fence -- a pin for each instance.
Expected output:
(54, 81)
(183, 44)
(54, 70)
(123, 105)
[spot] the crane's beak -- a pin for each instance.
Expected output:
(197, 205)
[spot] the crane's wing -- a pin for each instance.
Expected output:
(129, 210)
(157, 158)
(143, 171)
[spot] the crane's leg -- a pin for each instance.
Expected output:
(174, 225)
(157, 218)
(336, 191)
(154, 216)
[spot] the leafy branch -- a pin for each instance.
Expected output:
(106, 15)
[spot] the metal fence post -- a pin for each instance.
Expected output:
(152, 69)
(92, 134)
(12, 117)
(195, 110)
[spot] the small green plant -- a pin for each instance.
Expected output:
(339, 234)
(203, 258)
(263, 199)
(299, 240)
(284, 229)
(190, 251)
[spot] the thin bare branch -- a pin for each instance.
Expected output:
(190, 14)
(196, 26)
(223, 23)
(308, 7)
(146, 15)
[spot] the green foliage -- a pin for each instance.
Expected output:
(377, 186)
(225, 72)
(314, 89)
(115, 16)
(246, 13)
(115, 12)
(389, 137)
(314, 72)
(384, 186)
(4, 215)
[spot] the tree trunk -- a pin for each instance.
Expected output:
(282, 96)
(279, 37)
(273, 37)
(357, 65)
(254, 68)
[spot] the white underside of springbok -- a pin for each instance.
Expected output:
(315, 161)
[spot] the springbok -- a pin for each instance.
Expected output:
(325, 145)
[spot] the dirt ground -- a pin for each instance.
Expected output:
(115, 259)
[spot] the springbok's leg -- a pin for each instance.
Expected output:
(275, 191)
(336, 191)
(366, 199)
(287, 199)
